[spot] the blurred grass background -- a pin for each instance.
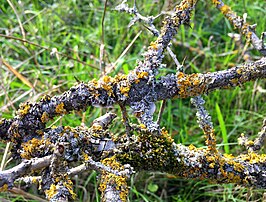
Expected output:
(73, 29)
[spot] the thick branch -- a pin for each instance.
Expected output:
(8, 177)
(154, 153)
(32, 117)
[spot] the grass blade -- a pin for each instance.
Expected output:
(223, 128)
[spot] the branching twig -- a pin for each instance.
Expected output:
(239, 23)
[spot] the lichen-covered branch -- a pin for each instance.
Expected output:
(7, 177)
(57, 153)
(160, 153)
(31, 118)
(205, 123)
(245, 28)
(258, 143)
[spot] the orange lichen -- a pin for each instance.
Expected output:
(225, 9)
(96, 127)
(141, 75)
(110, 179)
(216, 2)
(4, 188)
(45, 117)
(69, 185)
(60, 108)
(24, 109)
(32, 148)
(124, 90)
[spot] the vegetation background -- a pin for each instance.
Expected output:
(65, 38)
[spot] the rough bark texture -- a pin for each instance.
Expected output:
(146, 146)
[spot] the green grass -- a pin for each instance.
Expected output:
(74, 29)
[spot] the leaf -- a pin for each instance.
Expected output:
(17, 74)
(153, 187)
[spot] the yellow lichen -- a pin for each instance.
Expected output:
(24, 109)
(120, 77)
(142, 126)
(60, 108)
(51, 192)
(69, 185)
(141, 75)
(45, 117)
(249, 143)
(153, 45)
(46, 98)
(239, 71)
(192, 147)
(216, 2)
(4, 188)
(35, 180)
(96, 127)
(225, 9)
(229, 156)
(253, 157)
(211, 165)
(110, 179)
(32, 148)
(85, 156)
(238, 167)
(124, 90)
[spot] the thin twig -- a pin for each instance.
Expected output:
(102, 69)
(125, 119)
(161, 112)
(48, 49)
(19, 22)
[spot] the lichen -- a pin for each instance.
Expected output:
(4, 188)
(109, 179)
(24, 108)
(60, 108)
(34, 148)
(51, 192)
(45, 117)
